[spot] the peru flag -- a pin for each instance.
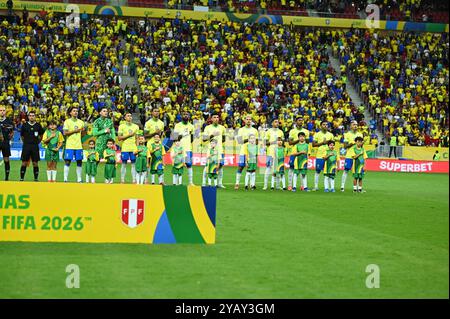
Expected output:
(133, 212)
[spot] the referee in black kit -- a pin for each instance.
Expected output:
(31, 135)
(6, 134)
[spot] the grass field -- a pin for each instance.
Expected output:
(270, 244)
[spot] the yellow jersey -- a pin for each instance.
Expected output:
(350, 136)
(219, 132)
(293, 136)
(245, 132)
(151, 126)
(272, 136)
(73, 142)
(321, 137)
(185, 130)
(128, 145)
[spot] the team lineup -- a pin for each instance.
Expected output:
(143, 151)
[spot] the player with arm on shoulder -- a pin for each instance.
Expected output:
(331, 159)
(272, 136)
(217, 132)
(320, 141)
(349, 141)
(243, 138)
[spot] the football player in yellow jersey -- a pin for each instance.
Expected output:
(242, 138)
(217, 132)
(184, 132)
(127, 134)
(349, 141)
(271, 140)
(321, 139)
(153, 126)
(72, 129)
(293, 140)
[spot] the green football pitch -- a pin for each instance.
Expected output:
(270, 244)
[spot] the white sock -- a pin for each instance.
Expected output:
(49, 176)
(278, 181)
(209, 181)
(153, 178)
(290, 173)
(180, 179)
(253, 179)
(66, 172)
(123, 172)
(266, 177)
(305, 181)
(79, 174)
(247, 177)
(204, 176)
(215, 181)
(355, 188)
(175, 179)
(294, 181)
(190, 172)
(133, 172)
(106, 181)
(344, 178)
(54, 175)
(325, 182)
(316, 180)
(331, 183)
(220, 176)
(93, 179)
(111, 181)
(238, 178)
(283, 181)
(161, 179)
(272, 184)
(87, 178)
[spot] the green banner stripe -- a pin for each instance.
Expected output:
(180, 216)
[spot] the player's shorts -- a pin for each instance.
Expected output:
(51, 156)
(5, 148)
(158, 172)
(320, 163)
(269, 161)
(332, 175)
(300, 171)
(69, 155)
(359, 175)
(91, 168)
(212, 175)
(110, 171)
(30, 151)
(141, 164)
(291, 161)
(251, 167)
(280, 171)
(188, 159)
(125, 156)
(178, 171)
(348, 164)
(241, 162)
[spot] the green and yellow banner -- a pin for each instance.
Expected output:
(107, 213)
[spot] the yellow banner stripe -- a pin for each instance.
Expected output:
(206, 228)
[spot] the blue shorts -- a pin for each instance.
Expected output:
(128, 156)
(241, 161)
(69, 155)
(320, 163)
(188, 159)
(269, 161)
(291, 161)
(348, 164)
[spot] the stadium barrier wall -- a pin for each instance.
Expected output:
(226, 16)
(425, 152)
(100, 213)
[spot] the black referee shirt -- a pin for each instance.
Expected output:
(31, 133)
(6, 127)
